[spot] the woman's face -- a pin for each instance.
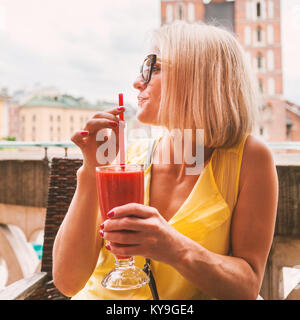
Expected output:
(149, 96)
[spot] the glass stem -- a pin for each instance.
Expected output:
(124, 263)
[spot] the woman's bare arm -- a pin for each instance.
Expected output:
(77, 244)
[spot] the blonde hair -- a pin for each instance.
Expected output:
(206, 83)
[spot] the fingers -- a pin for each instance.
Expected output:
(124, 250)
(106, 115)
(116, 111)
(132, 209)
(125, 223)
(101, 120)
(96, 124)
(123, 238)
(111, 115)
(104, 119)
(80, 137)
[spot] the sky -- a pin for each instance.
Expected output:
(93, 48)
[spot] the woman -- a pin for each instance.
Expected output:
(208, 235)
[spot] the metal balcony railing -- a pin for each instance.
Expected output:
(42, 144)
(289, 145)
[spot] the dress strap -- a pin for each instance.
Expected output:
(149, 153)
(147, 267)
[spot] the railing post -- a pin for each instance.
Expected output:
(46, 153)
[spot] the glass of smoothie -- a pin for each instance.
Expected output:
(118, 185)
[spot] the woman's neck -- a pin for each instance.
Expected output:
(182, 155)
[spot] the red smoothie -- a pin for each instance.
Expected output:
(118, 185)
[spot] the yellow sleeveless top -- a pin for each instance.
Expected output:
(205, 217)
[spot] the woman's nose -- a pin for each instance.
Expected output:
(139, 84)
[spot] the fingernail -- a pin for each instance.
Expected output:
(112, 123)
(84, 133)
(110, 214)
(121, 108)
(102, 226)
(101, 233)
(108, 247)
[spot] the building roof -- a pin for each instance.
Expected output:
(65, 101)
(295, 109)
(4, 96)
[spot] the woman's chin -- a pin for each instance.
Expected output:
(144, 117)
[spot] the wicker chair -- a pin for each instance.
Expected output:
(62, 184)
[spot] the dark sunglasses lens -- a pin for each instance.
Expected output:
(146, 70)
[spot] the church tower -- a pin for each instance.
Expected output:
(257, 25)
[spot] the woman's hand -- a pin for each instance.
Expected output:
(135, 229)
(86, 139)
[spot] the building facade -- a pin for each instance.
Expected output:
(54, 118)
(293, 121)
(257, 25)
(4, 115)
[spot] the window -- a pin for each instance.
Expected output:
(191, 12)
(270, 31)
(58, 133)
(259, 34)
(181, 11)
(51, 118)
(259, 59)
(258, 10)
(51, 133)
(270, 59)
(289, 125)
(248, 58)
(71, 119)
(271, 86)
(33, 134)
(271, 9)
(247, 35)
(169, 13)
(33, 117)
(269, 112)
(261, 131)
(58, 118)
(23, 133)
(261, 85)
(248, 10)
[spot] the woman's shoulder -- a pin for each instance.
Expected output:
(257, 158)
(256, 150)
(249, 148)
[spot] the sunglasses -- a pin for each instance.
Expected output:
(148, 66)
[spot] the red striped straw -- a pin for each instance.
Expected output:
(121, 132)
(121, 104)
